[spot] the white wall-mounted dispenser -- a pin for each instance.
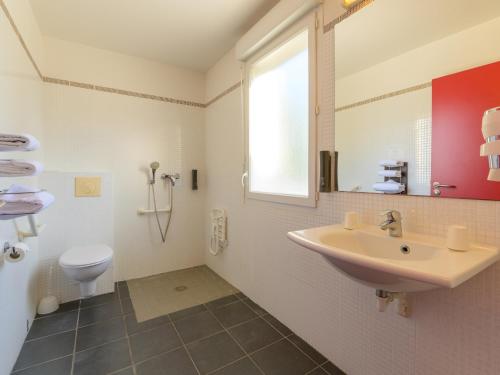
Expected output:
(218, 232)
(491, 149)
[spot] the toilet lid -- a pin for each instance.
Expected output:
(81, 256)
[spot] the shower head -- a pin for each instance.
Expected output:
(154, 166)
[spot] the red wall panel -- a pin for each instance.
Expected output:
(458, 103)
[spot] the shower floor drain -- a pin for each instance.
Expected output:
(180, 288)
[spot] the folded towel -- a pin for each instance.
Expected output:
(391, 163)
(388, 187)
(390, 173)
(23, 200)
(18, 168)
(23, 142)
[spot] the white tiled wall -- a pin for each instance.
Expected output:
(20, 111)
(450, 331)
(73, 221)
(87, 130)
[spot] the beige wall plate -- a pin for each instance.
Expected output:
(87, 186)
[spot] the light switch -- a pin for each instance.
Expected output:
(87, 186)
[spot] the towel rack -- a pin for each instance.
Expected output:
(35, 229)
(5, 192)
(403, 179)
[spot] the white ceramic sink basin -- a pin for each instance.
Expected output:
(370, 256)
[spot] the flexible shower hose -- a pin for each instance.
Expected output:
(163, 234)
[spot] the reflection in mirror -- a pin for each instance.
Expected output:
(397, 115)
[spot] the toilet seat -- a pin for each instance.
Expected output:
(85, 256)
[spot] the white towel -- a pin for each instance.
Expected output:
(389, 187)
(23, 200)
(390, 163)
(390, 173)
(18, 168)
(22, 142)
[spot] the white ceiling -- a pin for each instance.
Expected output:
(388, 28)
(192, 34)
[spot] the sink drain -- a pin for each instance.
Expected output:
(405, 249)
(180, 288)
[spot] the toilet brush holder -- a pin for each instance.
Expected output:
(47, 305)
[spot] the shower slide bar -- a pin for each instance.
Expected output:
(143, 211)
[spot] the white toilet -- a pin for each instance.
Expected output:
(85, 264)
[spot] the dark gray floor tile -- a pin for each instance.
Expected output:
(103, 359)
(240, 295)
(123, 291)
(331, 369)
(308, 349)
(212, 305)
(99, 300)
(176, 362)
(234, 313)
(213, 352)
(99, 313)
(53, 324)
(44, 349)
(255, 308)
(283, 329)
(283, 358)
(254, 334)
(149, 343)
(187, 312)
(127, 306)
(127, 371)
(317, 371)
(197, 326)
(133, 326)
(57, 367)
(63, 307)
(100, 333)
(242, 367)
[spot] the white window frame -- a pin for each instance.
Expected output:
(308, 22)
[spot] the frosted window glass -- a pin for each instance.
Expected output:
(279, 120)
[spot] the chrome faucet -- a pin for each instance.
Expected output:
(172, 177)
(392, 223)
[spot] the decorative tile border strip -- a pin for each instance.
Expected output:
(111, 90)
(224, 93)
(89, 86)
(384, 96)
(356, 8)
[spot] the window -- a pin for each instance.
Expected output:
(281, 119)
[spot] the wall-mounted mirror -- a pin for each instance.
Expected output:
(412, 82)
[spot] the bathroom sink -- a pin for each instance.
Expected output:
(410, 263)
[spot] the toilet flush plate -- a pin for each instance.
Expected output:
(87, 186)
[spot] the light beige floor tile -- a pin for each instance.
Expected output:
(156, 295)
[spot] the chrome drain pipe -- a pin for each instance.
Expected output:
(384, 298)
